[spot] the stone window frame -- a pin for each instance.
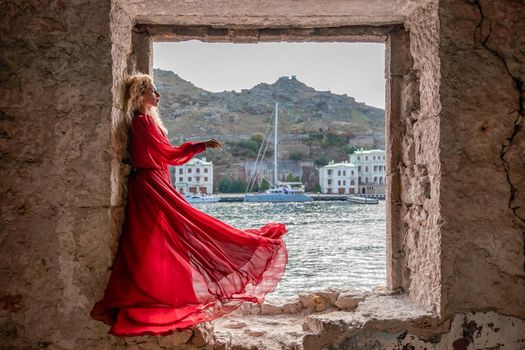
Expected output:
(399, 95)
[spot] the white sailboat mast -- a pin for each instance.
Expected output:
(275, 153)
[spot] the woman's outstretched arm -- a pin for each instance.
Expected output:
(173, 155)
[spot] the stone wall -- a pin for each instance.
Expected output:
(61, 188)
(413, 70)
(460, 162)
(456, 170)
(482, 148)
(420, 167)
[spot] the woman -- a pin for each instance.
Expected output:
(176, 266)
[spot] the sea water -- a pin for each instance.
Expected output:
(330, 244)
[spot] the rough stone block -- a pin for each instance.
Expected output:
(292, 307)
(318, 303)
(271, 309)
(304, 298)
(177, 338)
(202, 334)
(349, 300)
(330, 294)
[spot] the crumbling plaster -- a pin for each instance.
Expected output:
(482, 156)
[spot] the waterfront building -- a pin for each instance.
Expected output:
(339, 178)
(365, 173)
(196, 176)
(371, 169)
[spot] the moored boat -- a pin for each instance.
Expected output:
(281, 191)
(201, 198)
(286, 192)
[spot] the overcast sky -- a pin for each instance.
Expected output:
(355, 69)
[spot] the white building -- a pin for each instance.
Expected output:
(365, 173)
(338, 178)
(196, 176)
(371, 169)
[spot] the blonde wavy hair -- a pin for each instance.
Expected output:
(136, 86)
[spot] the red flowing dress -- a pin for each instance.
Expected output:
(175, 265)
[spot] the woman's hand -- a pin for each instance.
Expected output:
(212, 143)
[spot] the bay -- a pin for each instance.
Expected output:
(330, 244)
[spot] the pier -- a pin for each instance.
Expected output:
(328, 197)
(232, 199)
(236, 197)
(362, 200)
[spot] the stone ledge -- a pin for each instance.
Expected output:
(381, 320)
(313, 320)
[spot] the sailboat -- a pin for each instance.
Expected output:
(281, 191)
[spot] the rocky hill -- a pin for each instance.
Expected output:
(229, 115)
(315, 125)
